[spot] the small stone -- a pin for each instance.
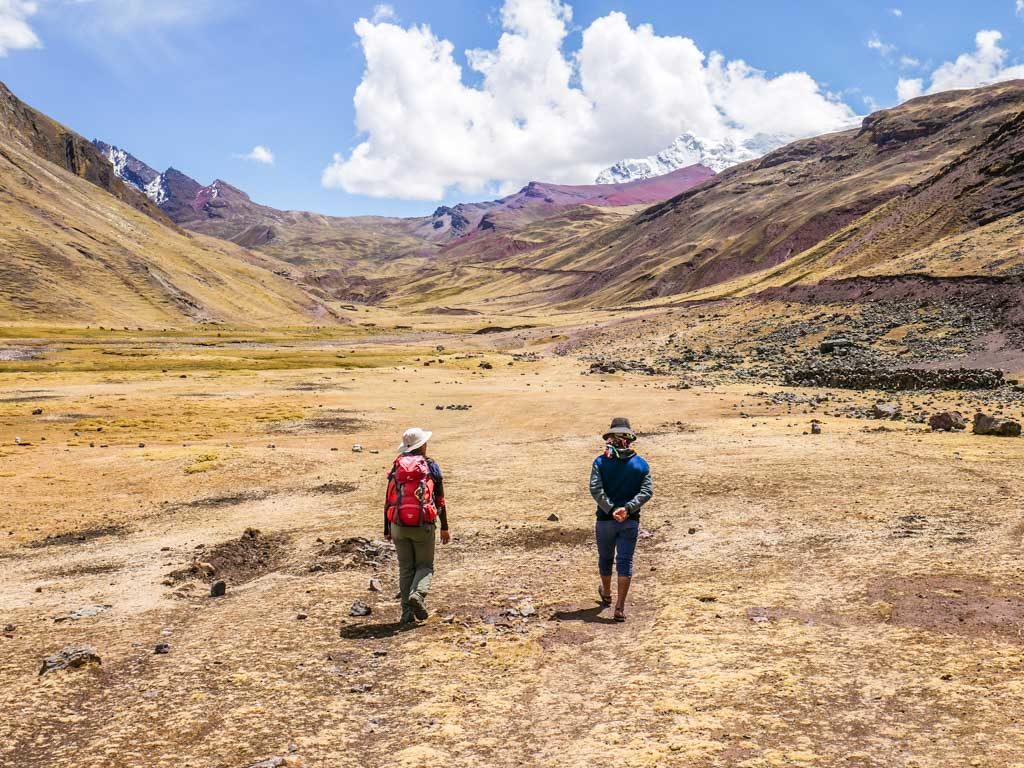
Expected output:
(359, 608)
(301, 617)
(9, 628)
(357, 448)
(379, 652)
(37, 412)
(375, 585)
(815, 428)
(552, 518)
(218, 588)
(691, 531)
(162, 648)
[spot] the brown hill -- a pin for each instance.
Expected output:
(932, 186)
(23, 126)
(75, 253)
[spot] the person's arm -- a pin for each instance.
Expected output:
(442, 508)
(645, 494)
(597, 491)
(390, 498)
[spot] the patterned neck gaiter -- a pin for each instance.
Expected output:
(620, 447)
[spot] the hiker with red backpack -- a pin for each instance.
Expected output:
(414, 503)
(620, 482)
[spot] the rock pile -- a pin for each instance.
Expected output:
(895, 379)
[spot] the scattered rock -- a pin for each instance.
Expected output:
(162, 648)
(37, 411)
(947, 421)
(218, 588)
(82, 613)
(375, 585)
(357, 448)
(552, 518)
(270, 762)
(70, 657)
(359, 608)
(486, 365)
(995, 426)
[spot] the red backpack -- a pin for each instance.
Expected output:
(411, 493)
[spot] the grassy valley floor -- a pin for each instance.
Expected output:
(852, 598)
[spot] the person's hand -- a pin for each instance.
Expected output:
(620, 514)
(446, 536)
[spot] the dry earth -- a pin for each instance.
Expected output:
(847, 599)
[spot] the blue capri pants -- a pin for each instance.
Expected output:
(616, 542)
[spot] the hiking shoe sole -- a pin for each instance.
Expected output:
(419, 610)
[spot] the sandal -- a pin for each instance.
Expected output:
(620, 615)
(606, 600)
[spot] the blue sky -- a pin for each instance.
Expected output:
(198, 84)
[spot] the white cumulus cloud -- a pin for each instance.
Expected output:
(1020, 7)
(539, 113)
(987, 63)
(15, 32)
(258, 154)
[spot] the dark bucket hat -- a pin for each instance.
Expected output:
(620, 426)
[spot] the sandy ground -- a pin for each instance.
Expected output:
(847, 599)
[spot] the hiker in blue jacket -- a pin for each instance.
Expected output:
(620, 482)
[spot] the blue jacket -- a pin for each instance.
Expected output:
(618, 483)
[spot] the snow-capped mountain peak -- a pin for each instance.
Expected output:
(134, 172)
(689, 149)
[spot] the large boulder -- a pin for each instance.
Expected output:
(947, 421)
(70, 657)
(889, 411)
(996, 426)
(832, 346)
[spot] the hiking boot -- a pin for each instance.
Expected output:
(418, 606)
(407, 617)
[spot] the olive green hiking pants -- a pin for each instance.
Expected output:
(415, 549)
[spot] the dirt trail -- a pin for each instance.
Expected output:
(846, 599)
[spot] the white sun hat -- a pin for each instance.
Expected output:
(414, 438)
